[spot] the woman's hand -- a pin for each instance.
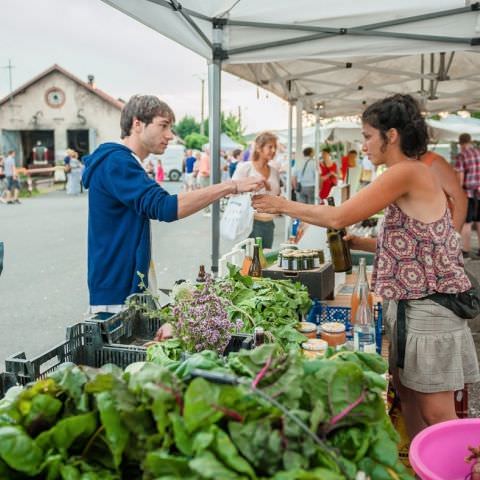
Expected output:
(268, 204)
(249, 184)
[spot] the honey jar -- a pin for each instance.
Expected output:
(333, 333)
(308, 329)
(314, 347)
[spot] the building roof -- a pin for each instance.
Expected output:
(57, 68)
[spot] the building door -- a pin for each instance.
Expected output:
(79, 141)
(31, 138)
(12, 140)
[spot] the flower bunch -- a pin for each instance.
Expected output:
(202, 320)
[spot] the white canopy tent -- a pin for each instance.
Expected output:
(226, 143)
(448, 129)
(330, 58)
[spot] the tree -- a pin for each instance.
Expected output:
(230, 125)
(195, 141)
(186, 126)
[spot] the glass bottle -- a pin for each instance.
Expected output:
(364, 326)
(258, 336)
(263, 260)
(361, 284)
(247, 261)
(339, 249)
(201, 276)
(256, 267)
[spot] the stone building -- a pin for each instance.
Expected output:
(55, 111)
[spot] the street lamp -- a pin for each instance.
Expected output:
(202, 109)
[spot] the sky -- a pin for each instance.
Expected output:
(126, 57)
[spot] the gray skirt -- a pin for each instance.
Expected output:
(440, 354)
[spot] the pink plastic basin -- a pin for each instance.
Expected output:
(439, 451)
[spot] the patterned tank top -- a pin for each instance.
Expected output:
(415, 259)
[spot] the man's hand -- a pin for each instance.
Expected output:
(268, 203)
(250, 184)
(164, 332)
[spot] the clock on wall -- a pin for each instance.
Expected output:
(55, 97)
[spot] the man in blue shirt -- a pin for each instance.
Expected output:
(189, 175)
(123, 200)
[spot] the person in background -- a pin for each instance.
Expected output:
(349, 161)
(467, 164)
(149, 166)
(3, 182)
(446, 175)
(265, 147)
(122, 200)
(304, 177)
(160, 173)
(235, 158)
(11, 175)
(75, 174)
(432, 353)
(203, 177)
(367, 173)
(189, 176)
(224, 162)
(328, 174)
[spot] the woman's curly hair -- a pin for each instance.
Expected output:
(402, 113)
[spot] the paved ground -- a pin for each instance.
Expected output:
(43, 285)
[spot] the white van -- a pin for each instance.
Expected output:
(172, 160)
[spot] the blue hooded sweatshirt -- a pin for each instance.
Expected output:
(122, 200)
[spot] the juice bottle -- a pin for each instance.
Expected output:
(362, 284)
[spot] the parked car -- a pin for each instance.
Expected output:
(172, 161)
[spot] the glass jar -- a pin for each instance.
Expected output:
(308, 329)
(310, 260)
(314, 348)
(321, 256)
(333, 333)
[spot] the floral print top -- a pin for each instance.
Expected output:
(415, 259)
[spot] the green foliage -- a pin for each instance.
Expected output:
(160, 422)
(195, 141)
(186, 126)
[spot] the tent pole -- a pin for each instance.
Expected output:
(317, 154)
(214, 127)
(288, 189)
(299, 135)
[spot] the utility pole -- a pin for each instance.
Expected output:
(202, 111)
(10, 67)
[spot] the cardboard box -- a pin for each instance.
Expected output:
(320, 282)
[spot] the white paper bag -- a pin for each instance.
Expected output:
(237, 220)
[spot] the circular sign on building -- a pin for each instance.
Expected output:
(55, 97)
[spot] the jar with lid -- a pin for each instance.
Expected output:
(333, 333)
(314, 348)
(308, 329)
(298, 262)
(310, 261)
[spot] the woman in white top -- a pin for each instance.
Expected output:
(265, 148)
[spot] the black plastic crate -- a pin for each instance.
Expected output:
(82, 340)
(7, 380)
(84, 346)
(131, 326)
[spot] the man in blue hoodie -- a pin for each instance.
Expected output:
(123, 200)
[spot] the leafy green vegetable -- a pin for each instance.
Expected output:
(283, 418)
